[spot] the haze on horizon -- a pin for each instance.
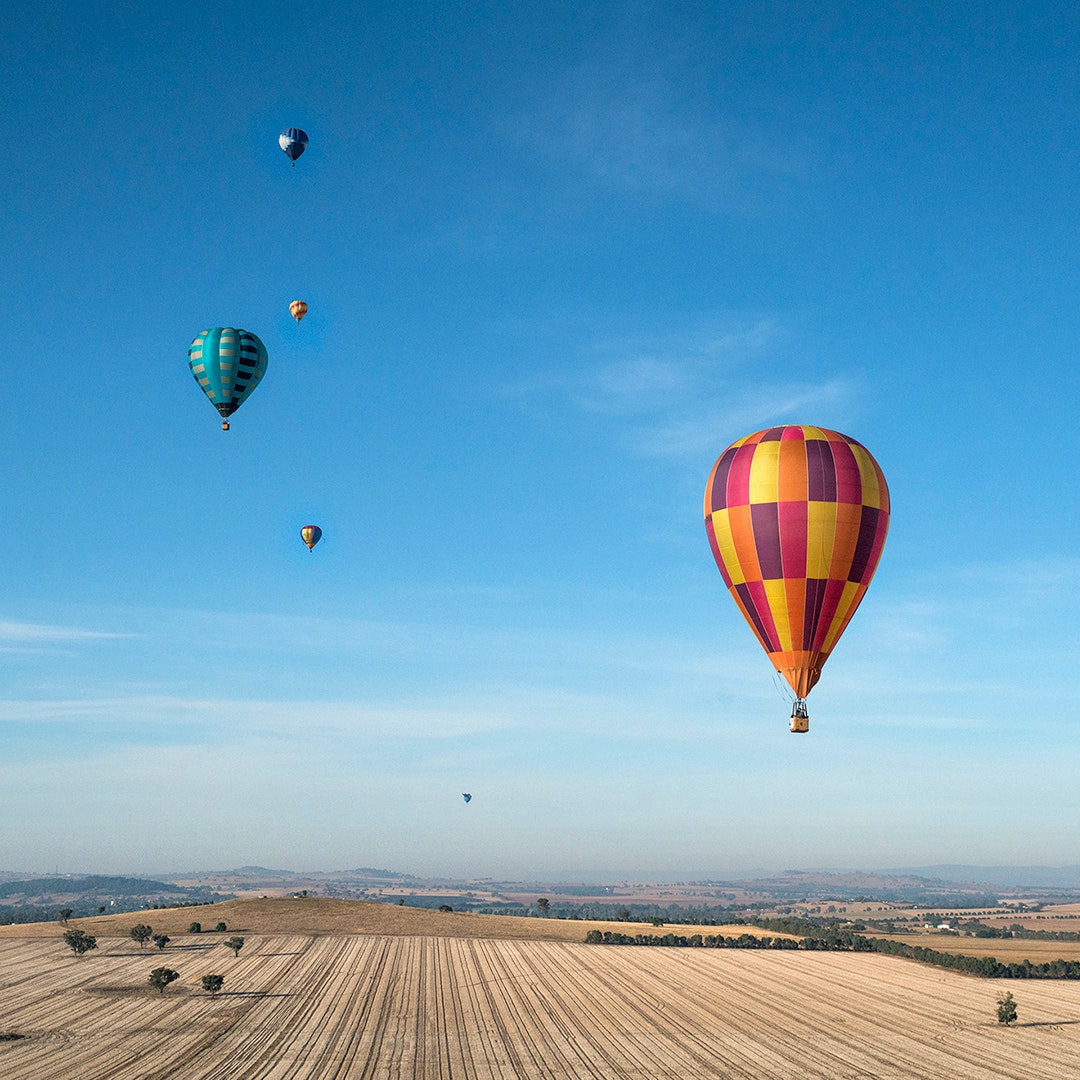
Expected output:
(557, 259)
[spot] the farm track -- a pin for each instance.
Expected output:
(368, 1007)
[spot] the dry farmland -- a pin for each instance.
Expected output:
(332, 1005)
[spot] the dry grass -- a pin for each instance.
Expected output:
(315, 915)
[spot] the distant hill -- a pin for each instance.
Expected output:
(259, 871)
(1032, 877)
(91, 884)
(38, 899)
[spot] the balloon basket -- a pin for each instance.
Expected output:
(800, 718)
(224, 425)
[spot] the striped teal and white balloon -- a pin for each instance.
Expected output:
(228, 365)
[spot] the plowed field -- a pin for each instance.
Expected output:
(326, 1007)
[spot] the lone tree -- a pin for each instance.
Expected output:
(65, 914)
(544, 904)
(195, 928)
(142, 934)
(1006, 1009)
(221, 928)
(161, 977)
(212, 984)
(236, 944)
(79, 941)
(161, 940)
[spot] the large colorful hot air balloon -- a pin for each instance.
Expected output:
(298, 309)
(797, 518)
(294, 142)
(228, 365)
(311, 535)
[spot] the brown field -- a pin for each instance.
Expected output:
(1008, 950)
(344, 997)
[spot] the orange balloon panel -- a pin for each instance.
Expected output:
(797, 517)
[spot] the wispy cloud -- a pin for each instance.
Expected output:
(238, 718)
(25, 637)
(673, 396)
(1036, 579)
(38, 632)
(694, 432)
(653, 136)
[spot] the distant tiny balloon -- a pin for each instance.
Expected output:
(466, 796)
(311, 535)
(298, 309)
(294, 142)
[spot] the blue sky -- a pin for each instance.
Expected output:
(558, 257)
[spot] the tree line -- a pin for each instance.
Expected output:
(693, 941)
(846, 941)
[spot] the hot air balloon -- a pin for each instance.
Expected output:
(311, 535)
(797, 518)
(228, 365)
(466, 796)
(298, 309)
(294, 142)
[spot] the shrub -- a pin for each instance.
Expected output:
(79, 942)
(161, 977)
(142, 934)
(1006, 1009)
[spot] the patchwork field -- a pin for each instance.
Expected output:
(332, 1005)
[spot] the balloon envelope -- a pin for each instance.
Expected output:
(298, 309)
(311, 535)
(294, 142)
(797, 517)
(228, 364)
(466, 796)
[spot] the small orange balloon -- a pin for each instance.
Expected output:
(298, 309)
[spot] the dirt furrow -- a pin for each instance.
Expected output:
(569, 998)
(284, 998)
(459, 1019)
(341, 1043)
(341, 1008)
(550, 995)
(645, 1015)
(332, 1039)
(480, 982)
(513, 985)
(386, 1008)
(776, 1043)
(795, 1021)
